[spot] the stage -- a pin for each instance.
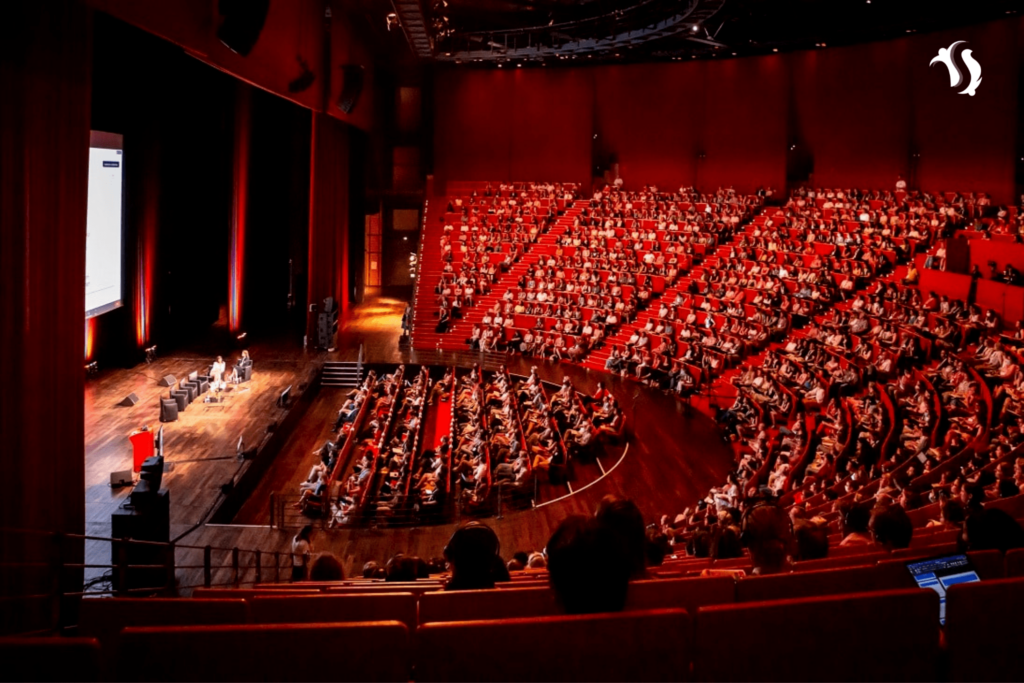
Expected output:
(674, 452)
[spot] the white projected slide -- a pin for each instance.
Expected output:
(103, 224)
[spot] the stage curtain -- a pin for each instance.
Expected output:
(239, 204)
(44, 150)
(328, 213)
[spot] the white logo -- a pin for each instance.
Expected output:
(956, 76)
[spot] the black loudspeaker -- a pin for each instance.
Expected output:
(167, 381)
(243, 22)
(152, 471)
(351, 87)
(129, 400)
(147, 520)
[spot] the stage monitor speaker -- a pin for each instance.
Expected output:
(152, 471)
(167, 381)
(129, 400)
(243, 23)
(351, 87)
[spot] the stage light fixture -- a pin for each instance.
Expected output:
(695, 28)
(392, 20)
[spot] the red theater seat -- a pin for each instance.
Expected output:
(687, 594)
(1014, 563)
(307, 609)
(104, 618)
(823, 582)
(366, 651)
(487, 604)
(885, 636)
(50, 659)
(635, 646)
(983, 634)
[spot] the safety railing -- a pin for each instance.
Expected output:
(136, 567)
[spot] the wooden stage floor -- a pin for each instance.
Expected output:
(675, 454)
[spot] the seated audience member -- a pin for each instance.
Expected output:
(622, 517)
(326, 567)
(372, 570)
(657, 547)
(471, 552)
(811, 539)
(891, 527)
(588, 569)
(992, 529)
(402, 568)
(855, 526)
(725, 543)
(768, 535)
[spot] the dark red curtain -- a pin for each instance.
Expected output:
(328, 212)
(239, 205)
(44, 148)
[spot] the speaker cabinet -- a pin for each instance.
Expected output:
(167, 381)
(147, 519)
(351, 87)
(129, 400)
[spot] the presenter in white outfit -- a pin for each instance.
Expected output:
(217, 374)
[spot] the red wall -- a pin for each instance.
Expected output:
(515, 124)
(861, 111)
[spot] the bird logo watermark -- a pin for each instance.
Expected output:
(948, 56)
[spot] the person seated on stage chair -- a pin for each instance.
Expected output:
(217, 374)
(238, 373)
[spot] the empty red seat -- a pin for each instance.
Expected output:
(983, 633)
(644, 646)
(51, 659)
(688, 594)
(305, 609)
(1014, 563)
(822, 582)
(361, 651)
(888, 635)
(988, 563)
(487, 604)
(246, 593)
(104, 618)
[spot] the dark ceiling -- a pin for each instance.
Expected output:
(532, 32)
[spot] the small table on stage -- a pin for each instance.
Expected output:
(142, 447)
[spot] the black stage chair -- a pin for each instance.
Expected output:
(168, 410)
(192, 388)
(181, 397)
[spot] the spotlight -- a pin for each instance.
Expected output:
(393, 22)
(695, 28)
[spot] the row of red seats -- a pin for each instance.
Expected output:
(884, 635)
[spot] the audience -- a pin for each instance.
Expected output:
(588, 566)
(471, 552)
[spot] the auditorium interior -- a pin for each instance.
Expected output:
(658, 331)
